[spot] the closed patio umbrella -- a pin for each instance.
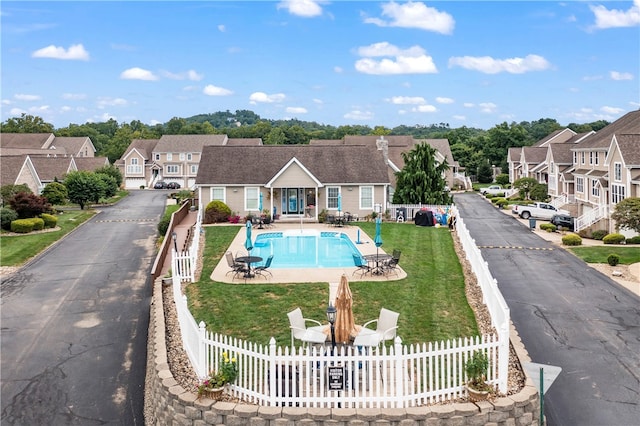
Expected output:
(260, 205)
(378, 238)
(248, 244)
(345, 324)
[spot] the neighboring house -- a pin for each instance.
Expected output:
(172, 158)
(46, 144)
(50, 169)
(392, 148)
(294, 180)
(19, 170)
(589, 173)
(91, 164)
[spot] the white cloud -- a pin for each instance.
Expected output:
(615, 18)
(17, 112)
(359, 115)
(425, 108)
(75, 52)
(407, 100)
(304, 8)
(185, 75)
(110, 102)
(296, 110)
(612, 110)
(615, 75)
(443, 100)
(212, 90)
(222, 28)
(468, 105)
(138, 74)
(408, 61)
(414, 15)
(489, 65)
(261, 97)
(318, 101)
(487, 107)
(24, 97)
(74, 96)
(338, 70)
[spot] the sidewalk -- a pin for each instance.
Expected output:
(627, 276)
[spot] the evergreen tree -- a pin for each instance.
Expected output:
(422, 178)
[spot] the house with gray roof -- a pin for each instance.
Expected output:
(294, 180)
(45, 144)
(19, 170)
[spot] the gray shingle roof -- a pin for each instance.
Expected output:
(244, 142)
(73, 145)
(90, 163)
(10, 167)
(49, 168)
(231, 165)
(627, 124)
(630, 149)
(534, 154)
(144, 146)
(188, 143)
(25, 140)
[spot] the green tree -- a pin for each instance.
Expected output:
(421, 180)
(112, 171)
(485, 173)
(275, 137)
(627, 214)
(502, 179)
(109, 186)
(26, 124)
(525, 185)
(539, 192)
(83, 187)
(7, 192)
(55, 193)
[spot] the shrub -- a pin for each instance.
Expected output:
(216, 212)
(598, 234)
(613, 259)
(572, 240)
(549, 227)
(7, 216)
(50, 221)
(22, 226)
(38, 224)
(613, 239)
(163, 225)
(502, 203)
(634, 240)
(29, 205)
(55, 193)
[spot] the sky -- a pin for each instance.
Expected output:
(371, 63)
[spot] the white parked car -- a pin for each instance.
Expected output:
(493, 190)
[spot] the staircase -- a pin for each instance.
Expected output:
(591, 217)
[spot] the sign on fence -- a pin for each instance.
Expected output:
(336, 378)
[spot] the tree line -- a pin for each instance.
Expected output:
(471, 147)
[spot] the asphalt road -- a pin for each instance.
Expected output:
(75, 320)
(568, 315)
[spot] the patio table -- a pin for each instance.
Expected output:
(378, 261)
(248, 260)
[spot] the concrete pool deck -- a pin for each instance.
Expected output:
(308, 275)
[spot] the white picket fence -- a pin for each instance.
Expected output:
(395, 376)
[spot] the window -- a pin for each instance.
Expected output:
(217, 194)
(596, 158)
(172, 169)
(189, 156)
(617, 193)
(182, 156)
(169, 156)
(194, 169)
(366, 197)
(579, 184)
(134, 161)
(595, 191)
(133, 168)
(582, 156)
(617, 172)
(251, 198)
(575, 157)
(157, 156)
(552, 169)
(332, 197)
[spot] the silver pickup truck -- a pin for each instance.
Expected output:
(536, 210)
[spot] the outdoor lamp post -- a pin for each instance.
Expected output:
(331, 317)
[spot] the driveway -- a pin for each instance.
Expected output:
(568, 315)
(75, 321)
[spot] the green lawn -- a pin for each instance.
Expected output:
(599, 254)
(431, 300)
(16, 250)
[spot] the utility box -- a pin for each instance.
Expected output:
(532, 223)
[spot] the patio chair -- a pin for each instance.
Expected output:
(362, 265)
(299, 330)
(260, 270)
(386, 328)
(236, 267)
(392, 264)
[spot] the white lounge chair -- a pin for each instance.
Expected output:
(386, 328)
(300, 331)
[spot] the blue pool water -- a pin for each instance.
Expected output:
(305, 249)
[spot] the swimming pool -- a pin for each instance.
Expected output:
(306, 248)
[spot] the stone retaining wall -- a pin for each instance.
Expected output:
(167, 403)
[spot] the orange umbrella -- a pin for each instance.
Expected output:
(345, 325)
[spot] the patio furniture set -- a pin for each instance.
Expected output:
(241, 266)
(377, 264)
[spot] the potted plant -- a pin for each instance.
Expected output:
(477, 368)
(214, 385)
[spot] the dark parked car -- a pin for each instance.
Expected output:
(160, 185)
(173, 185)
(563, 220)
